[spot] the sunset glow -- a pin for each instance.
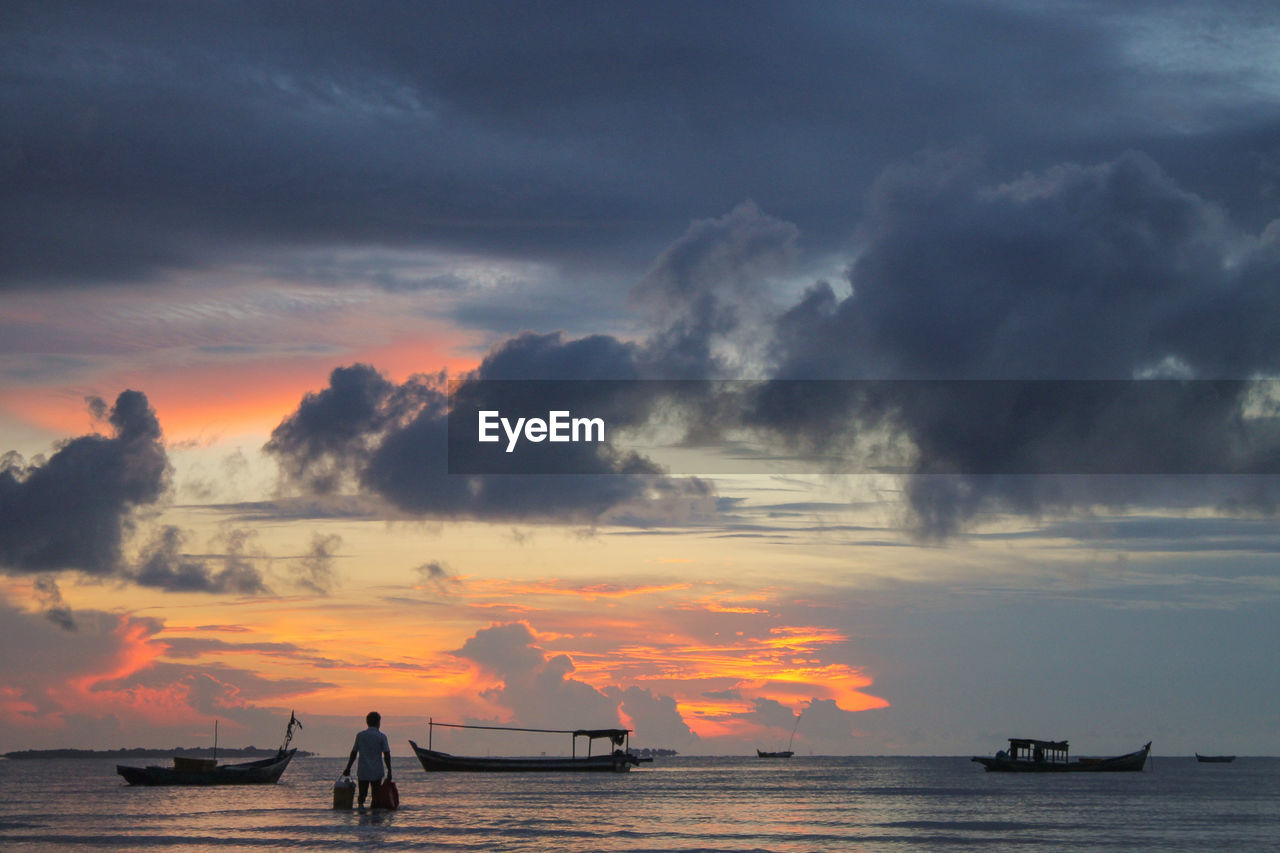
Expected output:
(930, 347)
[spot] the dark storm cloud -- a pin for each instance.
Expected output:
(1074, 272)
(392, 441)
(1111, 271)
(709, 286)
(74, 510)
(332, 428)
(143, 137)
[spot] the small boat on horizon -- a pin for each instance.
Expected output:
(619, 760)
(1214, 759)
(1027, 755)
(206, 771)
(782, 753)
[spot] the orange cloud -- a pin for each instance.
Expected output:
(205, 385)
(644, 643)
(680, 640)
(137, 651)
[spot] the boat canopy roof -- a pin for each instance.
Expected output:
(615, 735)
(593, 733)
(1043, 744)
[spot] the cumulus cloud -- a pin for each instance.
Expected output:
(536, 687)
(655, 719)
(74, 510)
(539, 690)
(392, 441)
(823, 721)
(505, 650)
(771, 713)
(1074, 272)
(333, 430)
(1107, 272)
(1073, 281)
(708, 291)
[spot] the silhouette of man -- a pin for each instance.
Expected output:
(372, 749)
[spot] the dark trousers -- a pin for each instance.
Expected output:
(364, 789)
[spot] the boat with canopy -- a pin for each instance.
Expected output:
(1027, 755)
(618, 760)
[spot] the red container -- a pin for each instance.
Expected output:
(387, 796)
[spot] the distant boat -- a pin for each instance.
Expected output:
(782, 753)
(207, 771)
(1214, 759)
(619, 760)
(1026, 755)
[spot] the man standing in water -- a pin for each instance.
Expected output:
(372, 748)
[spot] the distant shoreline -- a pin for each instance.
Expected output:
(139, 752)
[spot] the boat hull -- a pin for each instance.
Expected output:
(1129, 763)
(267, 771)
(786, 753)
(434, 762)
(1215, 759)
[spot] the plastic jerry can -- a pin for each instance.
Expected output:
(344, 793)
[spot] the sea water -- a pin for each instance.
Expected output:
(681, 803)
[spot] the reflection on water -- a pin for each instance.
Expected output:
(801, 804)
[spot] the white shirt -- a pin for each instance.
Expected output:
(371, 744)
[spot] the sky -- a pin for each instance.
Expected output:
(937, 343)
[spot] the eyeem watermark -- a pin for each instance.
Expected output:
(559, 426)
(917, 427)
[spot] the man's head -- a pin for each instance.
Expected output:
(373, 719)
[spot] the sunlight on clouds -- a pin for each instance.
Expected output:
(193, 354)
(396, 654)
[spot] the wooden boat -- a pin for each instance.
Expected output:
(266, 771)
(207, 771)
(782, 753)
(1026, 755)
(1214, 759)
(619, 760)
